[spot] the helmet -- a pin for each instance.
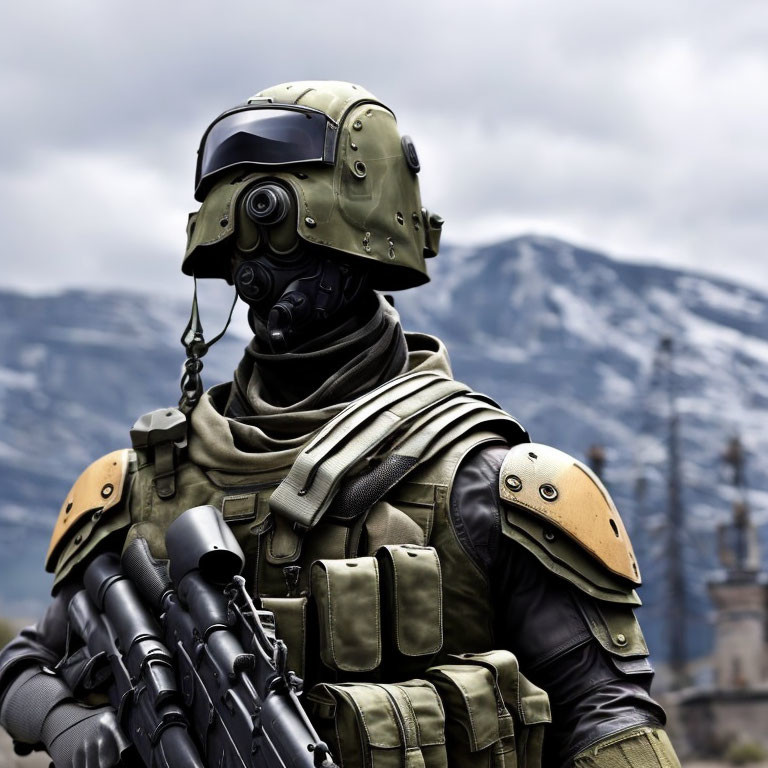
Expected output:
(353, 180)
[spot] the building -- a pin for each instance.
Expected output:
(734, 709)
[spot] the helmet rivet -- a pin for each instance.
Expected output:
(391, 253)
(549, 534)
(514, 483)
(399, 218)
(78, 538)
(309, 221)
(353, 146)
(621, 639)
(357, 125)
(224, 222)
(106, 491)
(360, 169)
(548, 492)
(367, 248)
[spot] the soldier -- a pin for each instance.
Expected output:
(425, 562)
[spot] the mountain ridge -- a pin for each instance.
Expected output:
(564, 337)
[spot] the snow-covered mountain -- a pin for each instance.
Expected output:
(566, 339)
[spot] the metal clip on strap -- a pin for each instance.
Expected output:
(196, 347)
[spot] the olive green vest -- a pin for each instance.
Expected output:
(349, 541)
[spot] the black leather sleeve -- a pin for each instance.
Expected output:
(537, 617)
(43, 643)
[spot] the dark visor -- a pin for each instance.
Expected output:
(264, 136)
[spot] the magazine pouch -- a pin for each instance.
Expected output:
(495, 717)
(369, 725)
(346, 594)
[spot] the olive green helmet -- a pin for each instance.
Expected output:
(338, 149)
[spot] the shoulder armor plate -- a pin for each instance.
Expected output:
(567, 494)
(100, 487)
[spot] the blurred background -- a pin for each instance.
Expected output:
(603, 174)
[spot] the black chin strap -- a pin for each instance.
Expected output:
(196, 348)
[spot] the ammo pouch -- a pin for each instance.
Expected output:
(371, 725)
(386, 608)
(495, 718)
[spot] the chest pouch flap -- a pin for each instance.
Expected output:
(412, 591)
(469, 697)
(381, 726)
(527, 702)
(346, 593)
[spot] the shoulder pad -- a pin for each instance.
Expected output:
(568, 495)
(99, 488)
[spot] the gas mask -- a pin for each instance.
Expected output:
(291, 287)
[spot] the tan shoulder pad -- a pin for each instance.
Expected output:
(99, 488)
(566, 493)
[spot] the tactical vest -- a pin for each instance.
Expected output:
(353, 548)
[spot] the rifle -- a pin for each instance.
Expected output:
(121, 631)
(233, 681)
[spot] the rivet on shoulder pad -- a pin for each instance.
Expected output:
(549, 534)
(78, 538)
(106, 491)
(621, 639)
(513, 482)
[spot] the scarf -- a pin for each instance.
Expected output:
(260, 422)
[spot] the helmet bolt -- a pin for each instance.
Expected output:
(548, 492)
(353, 146)
(399, 218)
(357, 125)
(310, 222)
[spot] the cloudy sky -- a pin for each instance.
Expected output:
(638, 128)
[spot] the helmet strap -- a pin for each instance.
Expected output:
(196, 347)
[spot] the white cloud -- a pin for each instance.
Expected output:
(637, 128)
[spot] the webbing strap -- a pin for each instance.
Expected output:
(432, 432)
(355, 433)
(402, 447)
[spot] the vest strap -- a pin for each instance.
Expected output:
(394, 428)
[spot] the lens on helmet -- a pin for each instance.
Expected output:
(267, 204)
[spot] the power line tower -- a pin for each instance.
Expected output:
(676, 610)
